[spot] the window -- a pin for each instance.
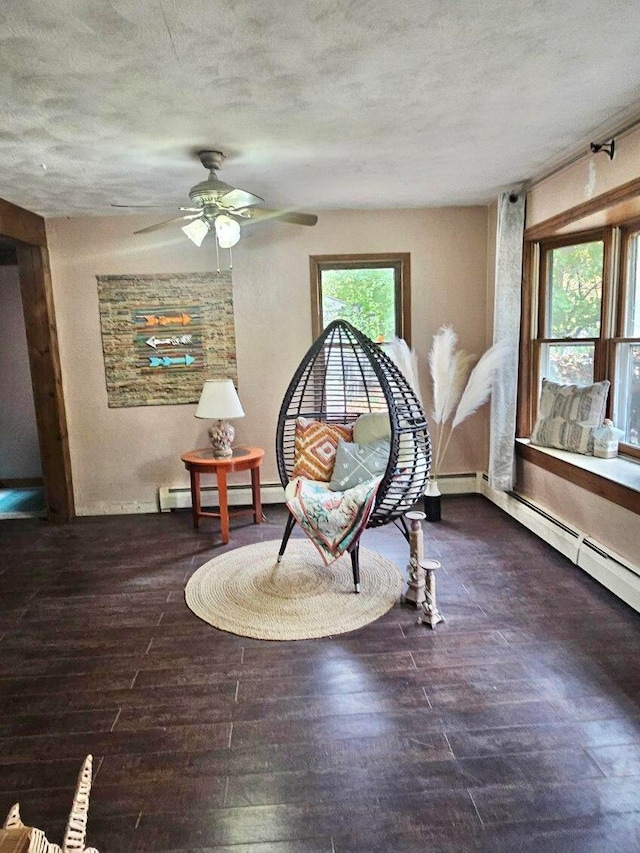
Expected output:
(584, 314)
(627, 342)
(570, 310)
(371, 292)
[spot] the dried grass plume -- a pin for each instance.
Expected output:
(458, 391)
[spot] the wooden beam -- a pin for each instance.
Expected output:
(21, 224)
(44, 361)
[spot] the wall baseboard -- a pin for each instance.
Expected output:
(459, 484)
(116, 508)
(617, 574)
(179, 497)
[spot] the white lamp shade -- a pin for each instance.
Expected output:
(197, 230)
(219, 400)
(227, 231)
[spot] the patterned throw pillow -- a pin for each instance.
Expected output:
(568, 414)
(315, 448)
(358, 463)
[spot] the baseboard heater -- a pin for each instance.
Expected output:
(618, 575)
(179, 497)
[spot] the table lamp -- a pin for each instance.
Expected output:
(219, 401)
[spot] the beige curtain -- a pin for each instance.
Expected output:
(506, 327)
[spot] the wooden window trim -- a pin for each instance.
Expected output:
(614, 289)
(617, 493)
(318, 263)
(618, 196)
(533, 318)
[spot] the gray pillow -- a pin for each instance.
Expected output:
(568, 414)
(357, 463)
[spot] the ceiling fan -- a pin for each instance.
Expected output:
(223, 209)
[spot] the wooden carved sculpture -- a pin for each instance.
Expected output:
(15, 837)
(417, 578)
(422, 579)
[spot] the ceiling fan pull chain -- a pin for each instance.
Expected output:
(230, 258)
(217, 255)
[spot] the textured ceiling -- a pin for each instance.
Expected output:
(317, 103)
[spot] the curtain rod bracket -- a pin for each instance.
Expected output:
(608, 148)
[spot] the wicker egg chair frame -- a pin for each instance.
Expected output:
(344, 375)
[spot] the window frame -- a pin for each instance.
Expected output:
(535, 299)
(543, 284)
(399, 261)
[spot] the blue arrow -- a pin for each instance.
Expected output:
(167, 361)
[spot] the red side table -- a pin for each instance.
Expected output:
(203, 462)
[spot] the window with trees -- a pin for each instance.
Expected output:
(627, 341)
(585, 319)
(372, 292)
(570, 310)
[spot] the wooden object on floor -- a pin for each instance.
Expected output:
(416, 591)
(15, 837)
(202, 461)
(430, 614)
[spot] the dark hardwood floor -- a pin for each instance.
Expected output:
(515, 726)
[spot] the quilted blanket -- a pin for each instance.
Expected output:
(332, 520)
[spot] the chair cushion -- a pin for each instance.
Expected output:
(371, 427)
(357, 463)
(315, 448)
(568, 414)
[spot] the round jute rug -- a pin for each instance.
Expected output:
(246, 592)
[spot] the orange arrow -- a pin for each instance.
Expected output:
(182, 319)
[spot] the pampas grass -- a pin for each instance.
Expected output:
(459, 388)
(406, 361)
(458, 391)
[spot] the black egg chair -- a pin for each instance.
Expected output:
(343, 375)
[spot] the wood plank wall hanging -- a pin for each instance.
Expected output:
(163, 335)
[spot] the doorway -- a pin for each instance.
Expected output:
(23, 237)
(21, 483)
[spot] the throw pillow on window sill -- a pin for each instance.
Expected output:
(568, 415)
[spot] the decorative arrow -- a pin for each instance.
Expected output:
(167, 361)
(153, 320)
(181, 339)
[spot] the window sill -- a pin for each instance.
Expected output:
(617, 480)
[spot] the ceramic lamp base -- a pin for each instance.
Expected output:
(221, 434)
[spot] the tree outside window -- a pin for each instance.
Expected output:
(369, 291)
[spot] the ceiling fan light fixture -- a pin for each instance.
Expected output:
(197, 230)
(227, 231)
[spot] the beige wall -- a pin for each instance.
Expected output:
(121, 456)
(592, 175)
(19, 448)
(610, 524)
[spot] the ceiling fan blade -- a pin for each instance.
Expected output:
(238, 198)
(166, 222)
(154, 207)
(132, 206)
(293, 216)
